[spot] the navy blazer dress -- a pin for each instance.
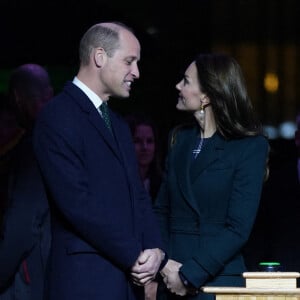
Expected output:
(207, 206)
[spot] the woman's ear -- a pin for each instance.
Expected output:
(205, 101)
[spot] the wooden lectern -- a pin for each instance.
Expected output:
(261, 286)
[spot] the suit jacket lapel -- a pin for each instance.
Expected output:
(93, 115)
(99, 124)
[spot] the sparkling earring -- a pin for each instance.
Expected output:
(202, 116)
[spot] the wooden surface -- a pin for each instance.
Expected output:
(260, 286)
(252, 291)
(277, 280)
(271, 275)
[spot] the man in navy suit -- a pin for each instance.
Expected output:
(105, 240)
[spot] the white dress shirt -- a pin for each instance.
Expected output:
(95, 99)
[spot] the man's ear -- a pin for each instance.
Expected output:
(100, 57)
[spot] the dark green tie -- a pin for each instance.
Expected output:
(105, 115)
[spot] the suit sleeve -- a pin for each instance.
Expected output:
(162, 207)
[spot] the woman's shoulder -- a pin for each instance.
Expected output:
(257, 143)
(255, 139)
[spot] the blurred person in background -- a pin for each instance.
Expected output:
(25, 228)
(148, 150)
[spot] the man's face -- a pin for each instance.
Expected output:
(120, 70)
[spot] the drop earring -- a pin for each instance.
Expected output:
(202, 116)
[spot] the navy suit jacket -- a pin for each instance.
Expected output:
(207, 206)
(102, 215)
(25, 244)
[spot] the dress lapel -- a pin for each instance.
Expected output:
(183, 160)
(188, 169)
(209, 154)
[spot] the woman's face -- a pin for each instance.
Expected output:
(144, 142)
(190, 94)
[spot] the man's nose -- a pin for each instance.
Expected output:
(135, 71)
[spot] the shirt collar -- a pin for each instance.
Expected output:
(95, 99)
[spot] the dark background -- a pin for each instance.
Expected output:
(171, 33)
(263, 35)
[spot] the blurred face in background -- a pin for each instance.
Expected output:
(144, 142)
(29, 106)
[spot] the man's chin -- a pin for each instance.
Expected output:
(122, 95)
